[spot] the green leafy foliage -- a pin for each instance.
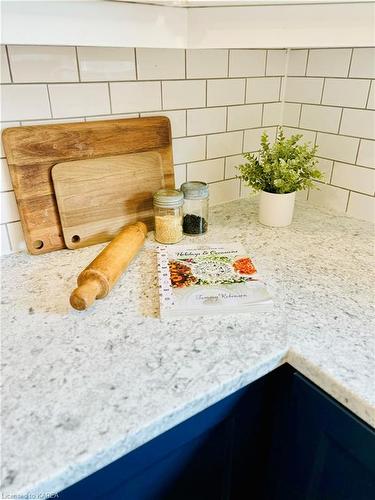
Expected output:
(284, 167)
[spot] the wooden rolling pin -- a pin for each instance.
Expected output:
(97, 280)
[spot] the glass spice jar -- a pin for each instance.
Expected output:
(168, 215)
(195, 207)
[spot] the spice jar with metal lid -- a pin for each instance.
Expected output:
(195, 207)
(168, 215)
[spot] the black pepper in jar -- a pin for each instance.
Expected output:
(194, 224)
(195, 209)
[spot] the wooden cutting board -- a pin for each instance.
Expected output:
(97, 198)
(33, 151)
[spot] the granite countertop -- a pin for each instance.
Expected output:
(80, 389)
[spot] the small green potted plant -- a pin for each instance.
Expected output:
(278, 172)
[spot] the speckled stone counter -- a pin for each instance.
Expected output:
(80, 389)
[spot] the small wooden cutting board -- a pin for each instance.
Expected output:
(96, 198)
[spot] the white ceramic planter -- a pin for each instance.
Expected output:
(276, 209)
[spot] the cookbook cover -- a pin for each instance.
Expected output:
(209, 279)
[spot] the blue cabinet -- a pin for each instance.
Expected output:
(321, 450)
(278, 438)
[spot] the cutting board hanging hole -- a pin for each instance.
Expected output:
(38, 244)
(76, 239)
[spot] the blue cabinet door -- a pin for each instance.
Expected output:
(218, 454)
(324, 453)
(280, 438)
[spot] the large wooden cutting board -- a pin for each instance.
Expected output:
(33, 151)
(97, 198)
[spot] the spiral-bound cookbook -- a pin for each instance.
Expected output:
(209, 279)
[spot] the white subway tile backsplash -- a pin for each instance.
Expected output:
(371, 97)
(79, 99)
(179, 175)
(127, 97)
(206, 171)
(231, 162)
(3, 126)
(322, 118)
(246, 116)
(272, 113)
(186, 149)
(361, 207)
(225, 92)
(307, 135)
(220, 107)
(302, 195)
(252, 138)
(4, 67)
(207, 63)
(363, 63)
(330, 197)
(177, 119)
(354, 178)
(53, 120)
(262, 89)
(291, 114)
(345, 92)
(247, 62)
(160, 64)
(229, 143)
(4, 241)
(276, 60)
(206, 120)
(21, 102)
(9, 209)
(33, 63)
(297, 62)
(329, 62)
(224, 191)
(366, 154)
(184, 94)
(17, 241)
(358, 122)
(105, 117)
(306, 90)
(325, 166)
(106, 63)
(5, 181)
(337, 147)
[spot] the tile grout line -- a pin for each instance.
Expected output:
(9, 66)
(357, 154)
(135, 63)
(350, 63)
(283, 86)
(77, 63)
(307, 61)
(368, 94)
(340, 120)
(332, 171)
(323, 87)
(265, 63)
(110, 97)
(251, 77)
(49, 100)
(161, 96)
(347, 202)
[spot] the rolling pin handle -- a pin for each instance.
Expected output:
(84, 295)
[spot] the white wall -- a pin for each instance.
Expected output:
(109, 23)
